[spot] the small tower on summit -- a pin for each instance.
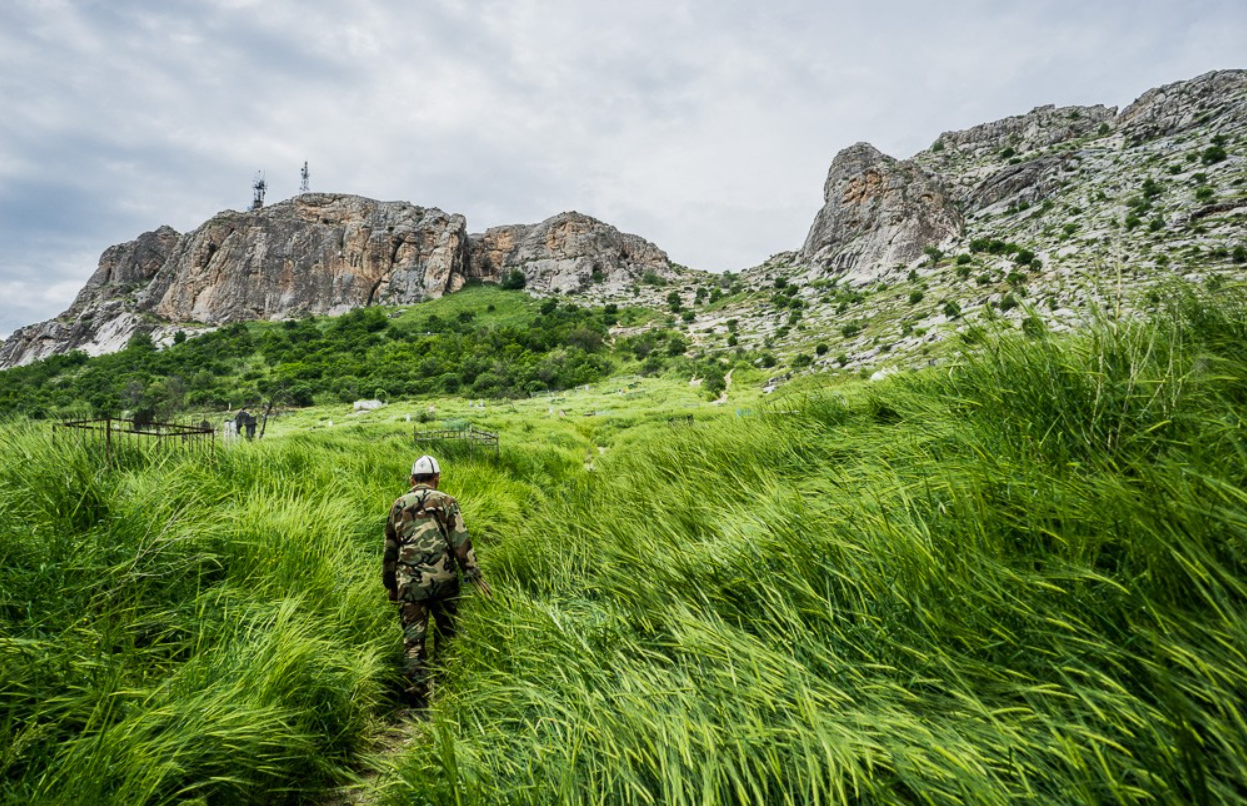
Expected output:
(257, 191)
(303, 177)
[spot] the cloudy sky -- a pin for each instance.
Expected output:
(706, 126)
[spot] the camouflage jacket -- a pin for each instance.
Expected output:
(424, 538)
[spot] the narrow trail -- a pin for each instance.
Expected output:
(394, 734)
(727, 384)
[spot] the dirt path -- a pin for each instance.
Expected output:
(727, 384)
(394, 734)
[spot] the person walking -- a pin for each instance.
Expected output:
(425, 538)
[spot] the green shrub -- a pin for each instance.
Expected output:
(1212, 155)
(514, 280)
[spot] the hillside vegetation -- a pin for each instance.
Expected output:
(481, 342)
(1016, 579)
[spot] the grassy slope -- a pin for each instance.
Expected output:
(1019, 581)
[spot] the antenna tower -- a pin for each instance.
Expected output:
(257, 188)
(303, 175)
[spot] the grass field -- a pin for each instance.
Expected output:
(1018, 579)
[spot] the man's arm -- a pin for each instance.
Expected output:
(389, 559)
(462, 544)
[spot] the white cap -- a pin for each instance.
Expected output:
(425, 466)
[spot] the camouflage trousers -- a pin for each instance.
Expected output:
(414, 617)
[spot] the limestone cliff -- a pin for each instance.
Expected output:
(318, 253)
(103, 316)
(1218, 98)
(567, 253)
(321, 253)
(878, 213)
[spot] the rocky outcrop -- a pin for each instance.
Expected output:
(126, 269)
(1042, 127)
(1219, 96)
(568, 253)
(317, 253)
(1028, 181)
(1016, 157)
(878, 213)
(102, 317)
(321, 253)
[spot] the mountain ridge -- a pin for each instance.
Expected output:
(1159, 187)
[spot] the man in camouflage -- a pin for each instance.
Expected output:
(424, 540)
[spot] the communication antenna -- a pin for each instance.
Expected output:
(257, 188)
(304, 176)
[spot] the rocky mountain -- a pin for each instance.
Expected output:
(1038, 219)
(321, 253)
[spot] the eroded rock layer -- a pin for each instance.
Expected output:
(879, 213)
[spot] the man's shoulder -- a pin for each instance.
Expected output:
(431, 498)
(439, 498)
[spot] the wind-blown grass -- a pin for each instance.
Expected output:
(1015, 579)
(177, 629)
(1019, 579)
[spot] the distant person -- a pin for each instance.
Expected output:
(425, 538)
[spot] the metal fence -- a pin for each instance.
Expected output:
(466, 438)
(119, 440)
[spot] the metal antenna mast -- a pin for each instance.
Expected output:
(257, 187)
(303, 188)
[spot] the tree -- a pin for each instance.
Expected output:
(514, 280)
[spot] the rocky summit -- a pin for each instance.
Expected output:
(879, 212)
(322, 253)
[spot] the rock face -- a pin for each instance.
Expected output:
(321, 253)
(1174, 108)
(102, 317)
(1028, 182)
(126, 268)
(879, 212)
(567, 253)
(318, 253)
(1042, 127)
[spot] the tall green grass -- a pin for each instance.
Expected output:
(1018, 579)
(174, 629)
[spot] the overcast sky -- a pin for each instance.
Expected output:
(706, 126)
